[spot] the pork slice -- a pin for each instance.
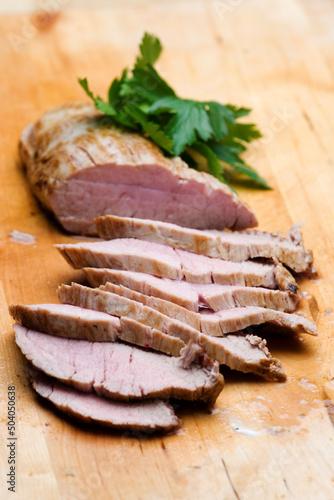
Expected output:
(126, 309)
(111, 303)
(124, 254)
(202, 269)
(193, 296)
(143, 335)
(235, 246)
(159, 260)
(232, 320)
(179, 292)
(163, 306)
(222, 322)
(118, 371)
(246, 353)
(218, 297)
(80, 167)
(143, 416)
(101, 300)
(74, 322)
(70, 321)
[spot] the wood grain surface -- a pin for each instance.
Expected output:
(263, 440)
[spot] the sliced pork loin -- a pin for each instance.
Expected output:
(165, 307)
(166, 262)
(258, 359)
(231, 320)
(247, 353)
(195, 296)
(80, 167)
(88, 324)
(234, 246)
(51, 318)
(135, 320)
(142, 416)
(243, 352)
(119, 371)
(222, 322)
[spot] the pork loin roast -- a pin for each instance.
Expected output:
(119, 371)
(142, 416)
(80, 167)
(235, 246)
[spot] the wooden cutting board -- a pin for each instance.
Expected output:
(262, 440)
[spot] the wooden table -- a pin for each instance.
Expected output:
(263, 440)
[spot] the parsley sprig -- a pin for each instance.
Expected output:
(143, 101)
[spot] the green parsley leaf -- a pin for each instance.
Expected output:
(151, 128)
(150, 50)
(219, 117)
(246, 132)
(107, 109)
(143, 101)
(114, 92)
(214, 164)
(118, 102)
(189, 121)
(147, 84)
(228, 155)
(238, 112)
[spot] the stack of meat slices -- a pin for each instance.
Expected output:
(79, 365)
(166, 306)
(197, 285)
